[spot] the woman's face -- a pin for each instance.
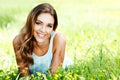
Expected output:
(43, 27)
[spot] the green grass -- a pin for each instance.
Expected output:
(92, 30)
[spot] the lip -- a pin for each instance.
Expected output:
(41, 35)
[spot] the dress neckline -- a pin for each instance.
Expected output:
(48, 47)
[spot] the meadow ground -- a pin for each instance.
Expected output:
(91, 27)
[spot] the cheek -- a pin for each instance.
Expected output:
(35, 28)
(49, 31)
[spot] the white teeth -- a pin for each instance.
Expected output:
(41, 35)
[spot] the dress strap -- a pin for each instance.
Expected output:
(51, 41)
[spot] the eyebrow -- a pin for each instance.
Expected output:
(39, 21)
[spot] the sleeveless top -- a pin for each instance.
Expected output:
(42, 63)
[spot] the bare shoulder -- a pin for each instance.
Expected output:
(59, 41)
(59, 38)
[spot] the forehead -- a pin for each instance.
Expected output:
(46, 18)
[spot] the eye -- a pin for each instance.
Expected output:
(50, 26)
(38, 23)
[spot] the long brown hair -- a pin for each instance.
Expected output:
(23, 43)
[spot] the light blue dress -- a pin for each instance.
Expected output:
(43, 63)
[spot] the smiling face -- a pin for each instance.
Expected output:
(43, 28)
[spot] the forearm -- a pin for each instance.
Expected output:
(53, 68)
(57, 63)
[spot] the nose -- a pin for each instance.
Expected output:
(43, 29)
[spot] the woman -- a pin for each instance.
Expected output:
(38, 47)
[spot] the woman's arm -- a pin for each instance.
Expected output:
(59, 45)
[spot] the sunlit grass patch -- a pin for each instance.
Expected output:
(5, 19)
(101, 66)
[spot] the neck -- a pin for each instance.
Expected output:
(41, 45)
(40, 49)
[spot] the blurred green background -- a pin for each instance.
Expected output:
(91, 27)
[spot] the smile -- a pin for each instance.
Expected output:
(40, 35)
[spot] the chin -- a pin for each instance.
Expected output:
(40, 40)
